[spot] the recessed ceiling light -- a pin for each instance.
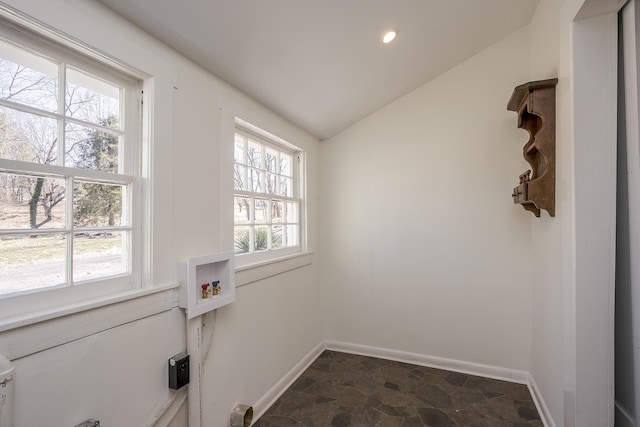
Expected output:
(389, 36)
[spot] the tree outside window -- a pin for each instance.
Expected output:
(64, 213)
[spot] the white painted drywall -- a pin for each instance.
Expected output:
(553, 326)
(595, 45)
(627, 323)
(432, 263)
(573, 253)
(422, 249)
(275, 322)
(119, 376)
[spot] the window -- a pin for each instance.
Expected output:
(267, 199)
(69, 168)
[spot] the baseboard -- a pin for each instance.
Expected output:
(265, 402)
(543, 410)
(481, 370)
(487, 371)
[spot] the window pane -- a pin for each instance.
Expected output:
(242, 240)
(56, 114)
(277, 211)
(238, 151)
(261, 211)
(27, 78)
(266, 174)
(239, 177)
(285, 164)
(92, 100)
(97, 205)
(28, 137)
(261, 238)
(98, 255)
(242, 210)
(255, 183)
(271, 159)
(286, 187)
(292, 235)
(88, 148)
(28, 262)
(292, 212)
(277, 236)
(271, 184)
(29, 202)
(254, 154)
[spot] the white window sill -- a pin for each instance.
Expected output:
(24, 335)
(261, 270)
(27, 334)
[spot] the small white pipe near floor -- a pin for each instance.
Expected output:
(194, 330)
(6, 392)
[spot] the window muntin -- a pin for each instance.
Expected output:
(69, 168)
(267, 199)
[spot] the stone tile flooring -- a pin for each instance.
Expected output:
(340, 389)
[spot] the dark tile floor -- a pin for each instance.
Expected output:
(340, 389)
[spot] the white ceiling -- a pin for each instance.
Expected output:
(320, 63)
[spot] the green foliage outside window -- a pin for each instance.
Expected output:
(243, 240)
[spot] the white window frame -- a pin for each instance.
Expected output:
(18, 305)
(298, 170)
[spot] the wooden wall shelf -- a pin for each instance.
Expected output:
(535, 104)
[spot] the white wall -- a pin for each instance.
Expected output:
(274, 323)
(627, 375)
(119, 376)
(422, 249)
(553, 331)
(574, 253)
(438, 261)
(442, 281)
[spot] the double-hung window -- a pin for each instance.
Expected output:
(69, 168)
(267, 200)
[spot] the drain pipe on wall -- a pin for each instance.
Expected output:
(194, 401)
(195, 328)
(6, 392)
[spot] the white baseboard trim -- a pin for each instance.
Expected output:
(265, 402)
(543, 410)
(487, 371)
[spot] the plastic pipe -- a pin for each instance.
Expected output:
(194, 401)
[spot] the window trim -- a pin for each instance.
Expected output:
(22, 335)
(249, 260)
(255, 272)
(137, 128)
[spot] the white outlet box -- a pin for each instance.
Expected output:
(206, 269)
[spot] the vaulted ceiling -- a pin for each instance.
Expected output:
(320, 63)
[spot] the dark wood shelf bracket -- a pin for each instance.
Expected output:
(535, 104)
